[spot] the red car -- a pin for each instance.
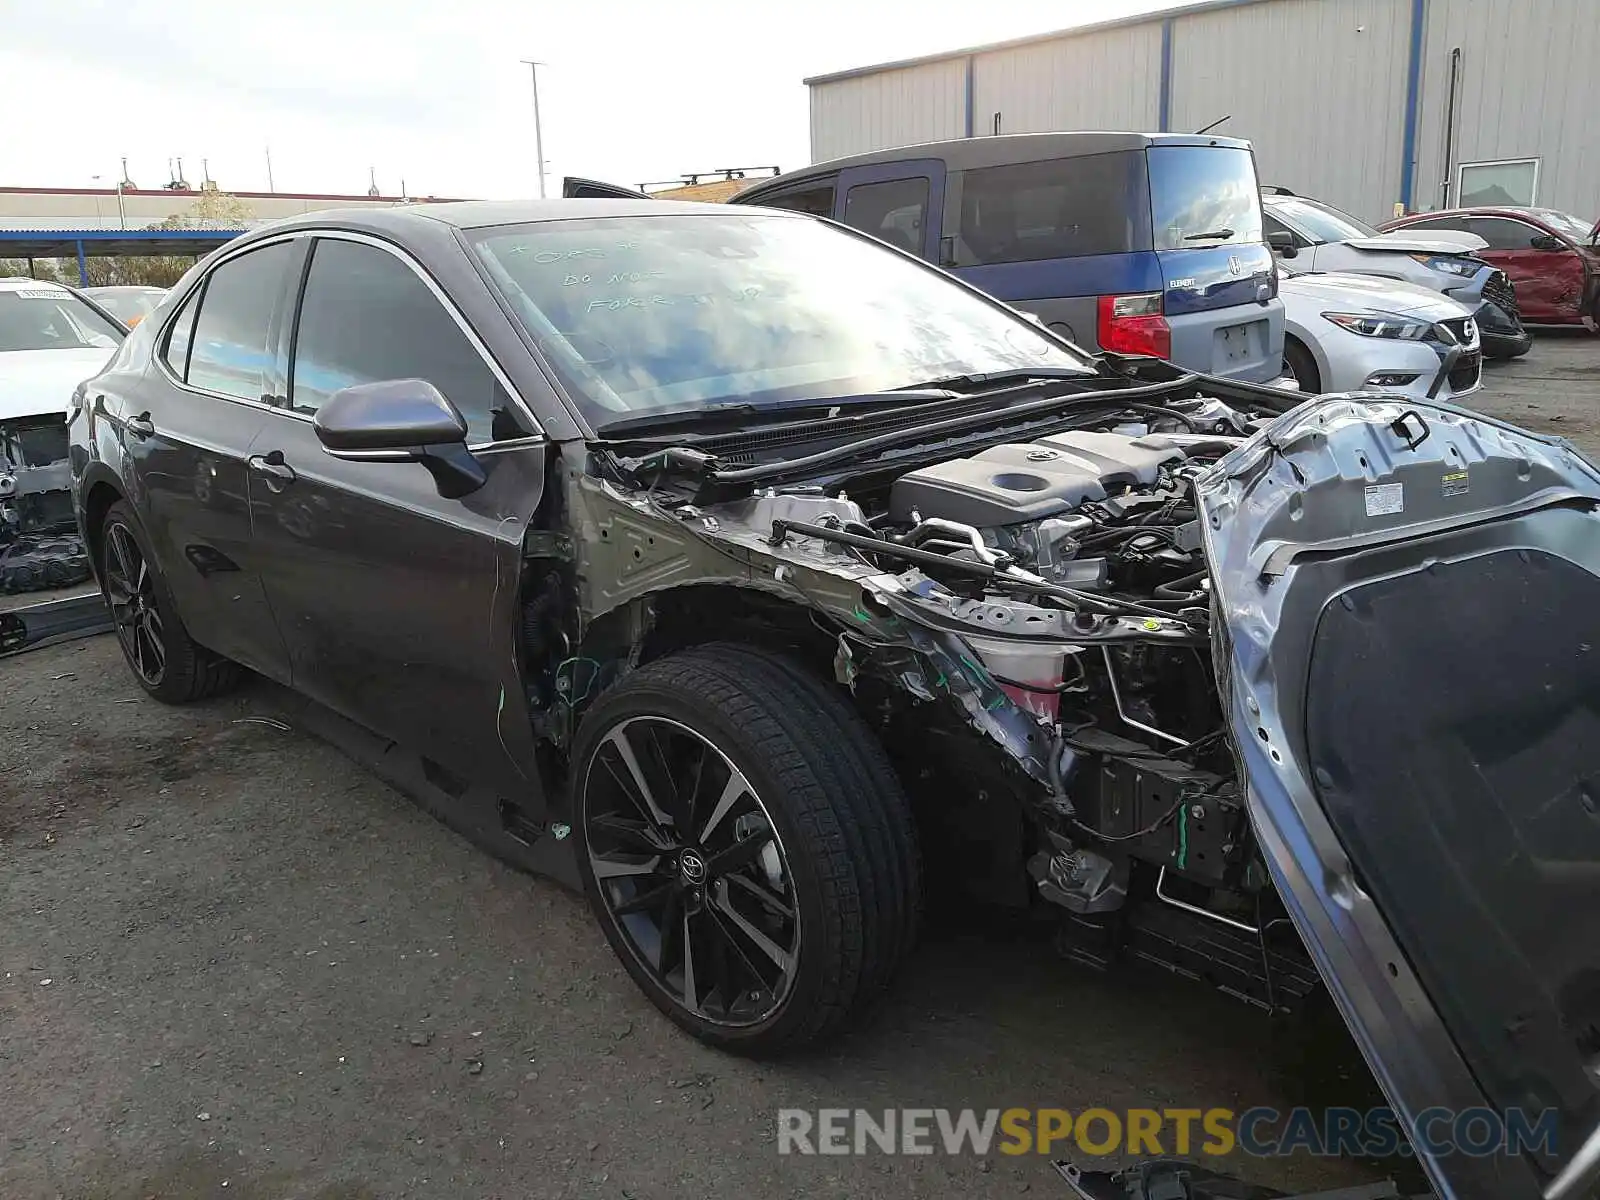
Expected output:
(1551, 257)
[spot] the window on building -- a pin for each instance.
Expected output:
(895, 211)
(367, 317)
(1061, 208)
(229, 350)
(1497, 184)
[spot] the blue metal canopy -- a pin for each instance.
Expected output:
(110, 243)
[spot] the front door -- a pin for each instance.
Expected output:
(901, 203)
(186, 425)
(1549, 282)
(399, 606)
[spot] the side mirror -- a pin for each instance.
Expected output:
(1546, 241)
(401, 420)
(1282, 242)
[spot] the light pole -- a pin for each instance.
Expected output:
(122, 216)
(538, 132)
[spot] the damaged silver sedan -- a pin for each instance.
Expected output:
(760, 578)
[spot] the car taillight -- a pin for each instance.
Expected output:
(1133, 325)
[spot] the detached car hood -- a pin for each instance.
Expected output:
(1407, 643)
(1377, 293)
(1435, 241)
(35, 383)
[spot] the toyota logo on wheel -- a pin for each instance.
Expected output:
(692, 867)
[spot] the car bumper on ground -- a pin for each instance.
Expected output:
(1500, 329)
(1503, 343)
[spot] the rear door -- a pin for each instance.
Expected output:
(1549, 283)
(900, 203)
(1219, 289)
(398, 605)
(186, 425)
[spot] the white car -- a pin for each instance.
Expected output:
(1351, 333)
(1313, 236)
(50, 341)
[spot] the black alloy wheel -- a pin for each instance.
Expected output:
(131, 592)
(166, 661)
(745, 845)
(690, 867)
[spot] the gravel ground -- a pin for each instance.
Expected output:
(233, 964)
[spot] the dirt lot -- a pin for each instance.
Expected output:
(232, 964)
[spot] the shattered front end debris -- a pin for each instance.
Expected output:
(39, 544)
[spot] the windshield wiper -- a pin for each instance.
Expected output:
(723, 416)
(1009, 375)
(1219, 234)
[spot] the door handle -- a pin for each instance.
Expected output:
(271, 464)
(141, 426)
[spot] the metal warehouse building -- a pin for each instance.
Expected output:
(1363, 103)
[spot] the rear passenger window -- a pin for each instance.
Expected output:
(177, 351)
(895, 211)
(229, 351)
(1063, 208)
(818, 200)
(367, 317)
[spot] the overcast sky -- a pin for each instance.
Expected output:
(634, 90)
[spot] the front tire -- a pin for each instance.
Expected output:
(165, 660)
(746, 847)
(1302, 364)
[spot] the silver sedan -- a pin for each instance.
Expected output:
(1347, 333)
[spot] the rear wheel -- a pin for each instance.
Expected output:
(745, 845)
(1299, 362)
(168, 664)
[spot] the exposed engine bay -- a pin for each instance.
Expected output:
(1056, 588)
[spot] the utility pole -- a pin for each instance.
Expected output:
(538, 132)
(270, 188)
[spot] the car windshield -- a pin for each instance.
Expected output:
(52, 318)
(1572, 228)
(677, 313)
(1318, 221)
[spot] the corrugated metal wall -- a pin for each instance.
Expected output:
(1318, 86)
(1529, 88)
(892, 108)
(1105, 80)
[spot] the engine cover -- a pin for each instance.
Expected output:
(1028, 481)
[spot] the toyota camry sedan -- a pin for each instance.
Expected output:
(760, 579)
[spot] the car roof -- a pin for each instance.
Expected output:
(18, 283)
(965, 154)
(1483, 210)
(483, 214)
